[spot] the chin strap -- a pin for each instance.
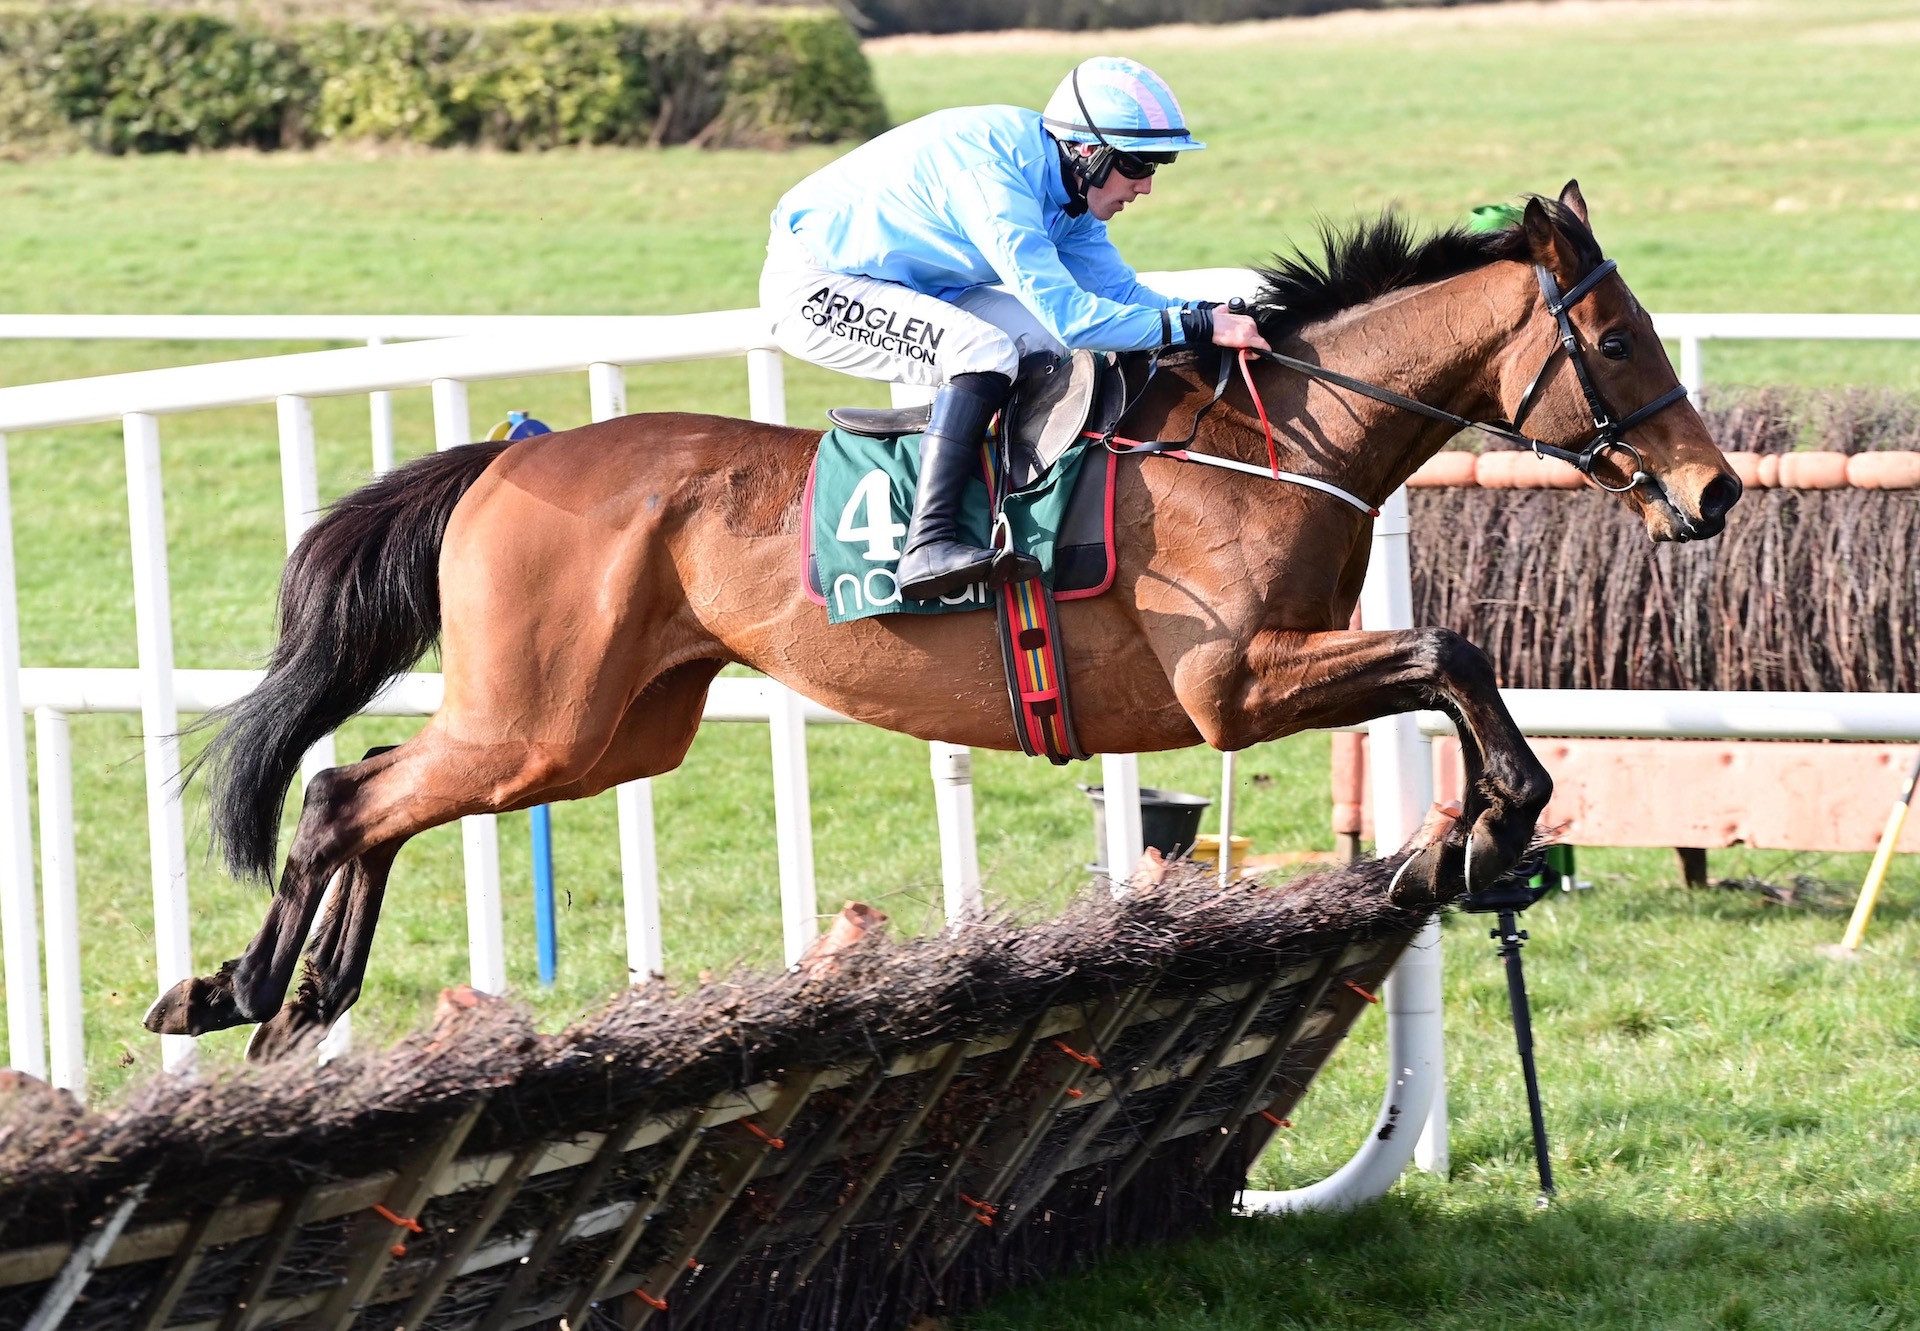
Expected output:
(1074, 178)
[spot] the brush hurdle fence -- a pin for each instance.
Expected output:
(460, 352)
(895, 1130)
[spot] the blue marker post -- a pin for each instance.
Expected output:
(545, 942)
(519, 425)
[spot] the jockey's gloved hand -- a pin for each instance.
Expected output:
(1205, 323)
(1232, 329)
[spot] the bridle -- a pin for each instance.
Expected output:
(1609, 432)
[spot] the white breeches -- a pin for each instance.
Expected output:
(882, 330)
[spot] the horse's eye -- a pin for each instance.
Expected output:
(1614, 346)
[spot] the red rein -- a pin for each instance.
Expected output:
(1246, 373)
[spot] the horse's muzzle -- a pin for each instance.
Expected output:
(1716, 500)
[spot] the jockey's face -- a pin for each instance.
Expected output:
(1106, 200)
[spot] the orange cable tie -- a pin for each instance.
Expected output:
(399, 1221)
(658, 1305)
(1074, 1092)
(1276, 1120)
(1358, 990)
(1076, 1055)
(984, 1212)
(777, 1143)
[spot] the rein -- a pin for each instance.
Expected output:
(1608, 433)
(1177, 448)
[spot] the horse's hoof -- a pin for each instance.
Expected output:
(194, 1007)
(1419, 882)
(1485, 862)
(294, 1029)
(172, 1012)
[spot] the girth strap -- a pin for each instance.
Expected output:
(1036, 659)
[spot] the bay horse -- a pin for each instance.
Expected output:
(586, 586)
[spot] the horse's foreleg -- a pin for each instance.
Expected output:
(1303, 681)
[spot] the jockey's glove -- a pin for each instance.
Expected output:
(1196, 322)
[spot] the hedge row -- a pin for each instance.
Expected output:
(1805, 590)
(880, 18)
(159, 81)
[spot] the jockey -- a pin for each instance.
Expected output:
(946, 249)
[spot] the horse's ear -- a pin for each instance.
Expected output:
(1547, 246)
(1574, 202)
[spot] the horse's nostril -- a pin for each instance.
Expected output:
(1721, 494)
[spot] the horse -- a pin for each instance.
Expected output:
(587, 585)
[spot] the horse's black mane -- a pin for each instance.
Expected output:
(1381, 255)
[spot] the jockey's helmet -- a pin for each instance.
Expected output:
(1119, 104)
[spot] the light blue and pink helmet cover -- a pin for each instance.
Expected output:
(1132, 108)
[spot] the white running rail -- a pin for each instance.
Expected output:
(1690, 331)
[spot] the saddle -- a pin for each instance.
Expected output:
(1055, 399)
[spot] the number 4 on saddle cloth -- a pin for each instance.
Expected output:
(1045, 487)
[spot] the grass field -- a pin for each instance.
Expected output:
(1736, 1122)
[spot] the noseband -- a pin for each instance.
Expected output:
(1608, 433)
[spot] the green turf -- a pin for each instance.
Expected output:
(1736, 1122)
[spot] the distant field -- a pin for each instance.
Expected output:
(1738, 1122)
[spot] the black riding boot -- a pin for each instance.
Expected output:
(938, 561)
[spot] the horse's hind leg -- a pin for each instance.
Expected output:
(250, 987)
(336, 960)
(653, 738)
(429, 780)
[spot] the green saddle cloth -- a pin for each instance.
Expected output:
(861, 495)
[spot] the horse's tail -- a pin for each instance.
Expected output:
(359, 603)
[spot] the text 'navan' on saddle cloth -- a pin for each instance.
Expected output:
(859, 496)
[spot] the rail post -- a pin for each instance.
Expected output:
(1120, 798)
(787, 720)
(479, 833)
(19, 923)
(380, 422)
(633, 800)
(1402, 789)
(953, 805)
(66, 1025)
(159, 719)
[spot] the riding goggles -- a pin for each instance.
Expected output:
(1139, 166)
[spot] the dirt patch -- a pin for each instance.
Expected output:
(1345, 25)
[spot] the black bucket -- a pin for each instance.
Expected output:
(1169, 821)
